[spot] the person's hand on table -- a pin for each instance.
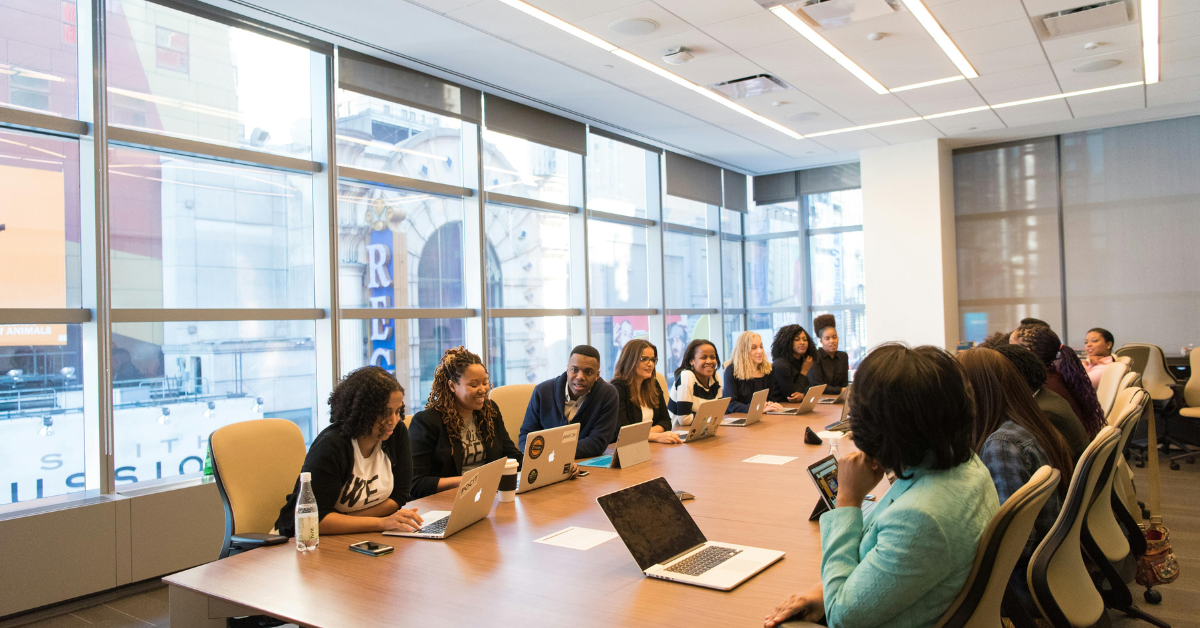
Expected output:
(668, 438)
(405, 520)
(858, 474)
(808, 606)
(772, 407)
(796, 397)
(574, 470)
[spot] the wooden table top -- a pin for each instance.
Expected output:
(493, 573)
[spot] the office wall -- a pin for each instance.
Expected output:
(909, 245)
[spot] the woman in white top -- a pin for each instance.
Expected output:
(641, 397)
(696, 381)
(1098, 345)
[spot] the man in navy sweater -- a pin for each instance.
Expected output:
(576, 396)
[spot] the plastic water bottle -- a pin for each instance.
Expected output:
(833, 448)
(308, 522)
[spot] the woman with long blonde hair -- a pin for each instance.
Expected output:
(460, 428)
(641, 397)
(749, 371)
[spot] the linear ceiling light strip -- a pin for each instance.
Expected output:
(929, 83)
(1150, 54)
(802, 27)
(919, 11)
(560, 24)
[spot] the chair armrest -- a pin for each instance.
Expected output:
(251, 540)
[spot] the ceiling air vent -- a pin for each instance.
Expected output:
(1093, 17)
(749, 86)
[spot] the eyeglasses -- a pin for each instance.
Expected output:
(644, 359)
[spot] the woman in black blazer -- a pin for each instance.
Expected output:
(634, 372)
(459, 429)
(832, 367)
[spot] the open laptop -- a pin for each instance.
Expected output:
(548, 457)
(472, 502)
(824, 474)
(666, 542)
(838, 399)
(757, 403)
(633, 447)
(843, 423)
(707, 419)
(810, 401)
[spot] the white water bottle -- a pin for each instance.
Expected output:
(308, 522)
(833, 448)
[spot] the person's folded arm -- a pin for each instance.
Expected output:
(603, 428)
(732, 389)
(424, 438)
(907, 561)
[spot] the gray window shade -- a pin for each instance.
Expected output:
(535, 125)
(830, 179)
(693, 180)
(624, 140)
(735, 191)
(773, 188)
(374, 77)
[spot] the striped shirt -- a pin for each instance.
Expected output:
(684, 395)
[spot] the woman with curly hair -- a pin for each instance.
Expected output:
(1064, 373)
(793, 353)
(360, 465)
(460, 428)
(831, 367)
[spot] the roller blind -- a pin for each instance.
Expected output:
(535, 125)
(773, 188)
(374, 77)
(694, 180)
(624, 140)
(830, 179)
(735, 191)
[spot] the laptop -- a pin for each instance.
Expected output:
(707, 419)
(473, 502)
(666, 542)
(757, 403)
(824, 474)
(633, 447)
(810, 401)
(838, 399)
(843, 423)
(548, 457)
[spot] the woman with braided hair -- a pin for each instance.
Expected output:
(1064, 373)
(460, 428)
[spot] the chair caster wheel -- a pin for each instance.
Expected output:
(1174, 466)
(1141, 464)
(1190, 460)
(1152, 596)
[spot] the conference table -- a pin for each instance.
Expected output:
(493, 573)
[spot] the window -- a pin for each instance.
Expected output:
(617, 177)
(38, 57)
(831, 201)
(611, 333)
(238, 89)
(374, 134)
(518, 167)
(681, 211)
(775, 270)
(619, 273)
(529, 254)
(412, 349)
(685, 268)
(680, 331)
(531, 349)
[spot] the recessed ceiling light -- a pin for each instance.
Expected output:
(802, 27)
(919, 11)
(1097, 66)
(929, 83)
(633, 27)
(1150, 40)
(876, 36)
(1092, 45)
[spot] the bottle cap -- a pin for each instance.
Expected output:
(305, 476)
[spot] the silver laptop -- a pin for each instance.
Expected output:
(757, 403)
(548, 457)
(666, 542)
(705, 422)
(633, 447)
(843, 423)
(810, 401)
(473, 502)
(838, 399)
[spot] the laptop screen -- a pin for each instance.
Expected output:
(651, 521)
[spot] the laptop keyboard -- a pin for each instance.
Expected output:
(437, 527)
(702, 561)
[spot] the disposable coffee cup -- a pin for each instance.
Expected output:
(508, 482)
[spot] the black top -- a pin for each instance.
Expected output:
(789, 378)
(740, 391)
(435, 455)
(833, 371)
(330, 460)
(631, 413)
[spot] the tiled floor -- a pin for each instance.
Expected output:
(1180, 606)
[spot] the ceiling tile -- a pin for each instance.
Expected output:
(445, 6)
(913, 53)
(668, 24)
(1181, 49)
(812, 75)
(711, 70)
(559, 45)
(855, 140)
(968, 14)
(1042, 7)
(1011, 79)
(703, 13)
(1008, 59)
(1180, 27)
(1171, 8)
(1024, 92)
(898, 28)
(499, 19)
(1036, 113)
(913, 74)
(573, 10)
(942, 98)
(1180, 68)
(1128, 71)
(752, 31)
(788, 53)
(1128, 37)
(968, 123)
(995, 37)
(908, 132)
(1107, 102)
(796, 104)
(700, 44)
(1182, 90)
(864, 109)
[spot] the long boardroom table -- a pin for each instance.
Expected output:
(492, 573)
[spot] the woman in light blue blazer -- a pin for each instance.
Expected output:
(903, 564)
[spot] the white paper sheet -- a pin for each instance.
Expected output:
(765, 459)
(577, 538)
(826, 435)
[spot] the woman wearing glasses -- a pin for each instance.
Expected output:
(641, 397)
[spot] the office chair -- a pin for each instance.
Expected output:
(662, 381)
(1191, 396)
(512, 400)
(1110, 384)
(1126, 359)
(255, 464)
(1109, 543)
(979, 603)
(1156, 377)
(1123, 482)
(1059, 580)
